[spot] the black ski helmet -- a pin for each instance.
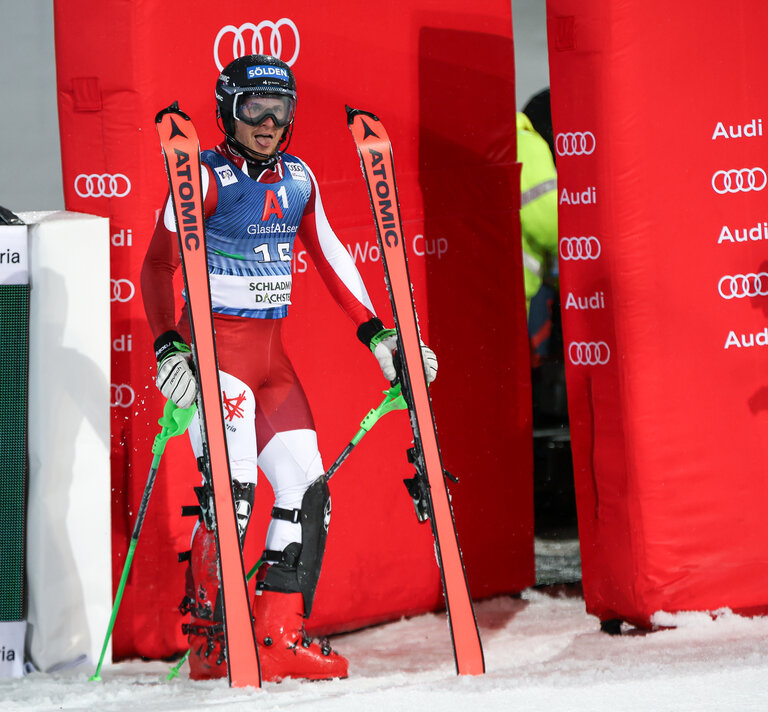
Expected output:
(254, 74)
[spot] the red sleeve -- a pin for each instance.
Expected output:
(163, 259)
(333, 262)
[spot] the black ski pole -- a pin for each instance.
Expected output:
(393, 400)
(173, 422)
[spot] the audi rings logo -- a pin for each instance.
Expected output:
(589, 353)
(122, 290)
(121, 395)
(575, 143)
(280, 39)
(736, 286)
(579, 248)
(102, 185)
(739, 180)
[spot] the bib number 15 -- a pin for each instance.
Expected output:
(283, 252)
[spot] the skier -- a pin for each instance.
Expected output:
(258, 199)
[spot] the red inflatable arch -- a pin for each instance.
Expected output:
(662, 153)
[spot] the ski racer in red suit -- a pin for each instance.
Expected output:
(258, 199)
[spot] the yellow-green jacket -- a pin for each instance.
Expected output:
(538, 206)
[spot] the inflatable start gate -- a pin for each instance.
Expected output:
(118, 64)
(661, 133)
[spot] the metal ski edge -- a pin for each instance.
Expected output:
(468, 652)
(245, 672)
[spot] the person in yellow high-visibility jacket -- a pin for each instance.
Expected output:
(538, 205)
(538, 218)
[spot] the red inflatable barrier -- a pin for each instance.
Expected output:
(118, 63)
(662, 157)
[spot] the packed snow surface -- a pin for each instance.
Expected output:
(542, 652)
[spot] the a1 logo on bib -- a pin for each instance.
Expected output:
(226, 175)
(296, 170)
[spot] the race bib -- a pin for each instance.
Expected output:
(250, 292)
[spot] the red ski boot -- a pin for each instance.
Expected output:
(205, 630)
(284, 649)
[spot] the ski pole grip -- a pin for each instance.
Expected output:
(174, 421)
(393, 401)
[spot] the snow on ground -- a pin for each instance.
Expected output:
(542, 652)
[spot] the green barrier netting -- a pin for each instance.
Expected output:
(14, 361)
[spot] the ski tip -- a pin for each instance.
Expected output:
(172, 109)
(352, 113)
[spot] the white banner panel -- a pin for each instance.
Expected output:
(68, 528)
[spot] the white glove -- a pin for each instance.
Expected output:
(176, 380)
(383, 346)
(430, 363)
(174, 376)
(383, 351)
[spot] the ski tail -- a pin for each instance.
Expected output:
(375, 151)
(181, 150)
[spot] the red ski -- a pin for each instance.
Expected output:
(181, 150)
(428, 488)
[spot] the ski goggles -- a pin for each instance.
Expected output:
(253, 109)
